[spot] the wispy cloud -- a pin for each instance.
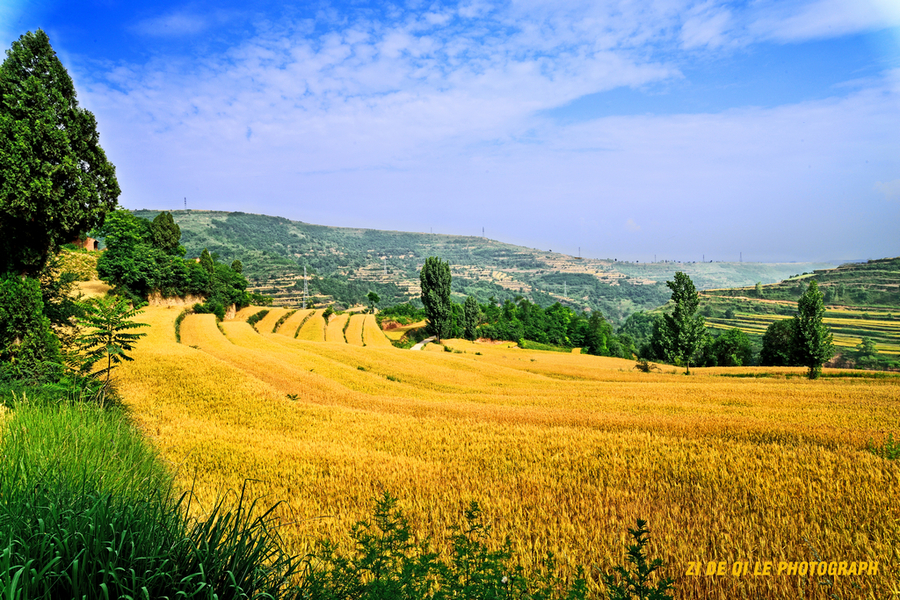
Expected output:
(403, 107)
(792, 21)
(179, 23)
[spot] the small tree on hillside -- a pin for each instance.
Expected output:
(374, 299)
(435, 281)
(812, 338)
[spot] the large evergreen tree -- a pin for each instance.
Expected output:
(680, 335)
(435, 280)
(166, 233)
(55, 180)
(812, 338)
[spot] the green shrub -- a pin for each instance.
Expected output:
(889, 449)
(388, 562)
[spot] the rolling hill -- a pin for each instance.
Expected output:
(343, 264)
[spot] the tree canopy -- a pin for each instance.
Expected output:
(679, 336)
(55, 180)
(812, 338)
(435, 280)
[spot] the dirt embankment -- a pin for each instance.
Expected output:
(157, 299)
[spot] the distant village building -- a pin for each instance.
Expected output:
(87, 244)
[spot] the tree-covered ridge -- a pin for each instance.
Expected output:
(344, 264)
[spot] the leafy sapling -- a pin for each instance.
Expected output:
(634, 584)
(107, 323)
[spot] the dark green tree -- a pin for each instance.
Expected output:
(238, 267)
(732, 349)
(55, 180)
(470, 317)
(680, 335)
(435, 281)
(812, 338)
(598, 334)
(206, 261)
(778, 344)
(28, 348)
(373, 299)
(107, 335)
(166, 233)
(866, 354)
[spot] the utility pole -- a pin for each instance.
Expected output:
(185, 203)
(384, 262)
(565, 290)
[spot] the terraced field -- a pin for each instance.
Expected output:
(848, 326)
(562, 451)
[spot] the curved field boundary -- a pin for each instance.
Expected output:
(335, 330)
(373, 335)
(313, 330)
(247, 312)
(293, 322)
(267, 323)
(354, 331)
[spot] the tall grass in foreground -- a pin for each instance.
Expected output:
(86, 512)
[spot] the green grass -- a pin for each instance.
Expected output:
(86, 511)
(530, 345)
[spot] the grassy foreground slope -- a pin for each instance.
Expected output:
(345, 263)
(562, 451)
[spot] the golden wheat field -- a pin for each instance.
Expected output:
(562, 451)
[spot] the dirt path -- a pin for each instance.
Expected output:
(421, 344)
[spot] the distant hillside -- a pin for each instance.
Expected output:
(875, 283)
(344, 264)
(862, 300)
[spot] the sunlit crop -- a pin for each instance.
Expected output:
(562, 451)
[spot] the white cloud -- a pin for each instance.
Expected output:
(630, 225)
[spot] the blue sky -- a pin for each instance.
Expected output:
(626, 128)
